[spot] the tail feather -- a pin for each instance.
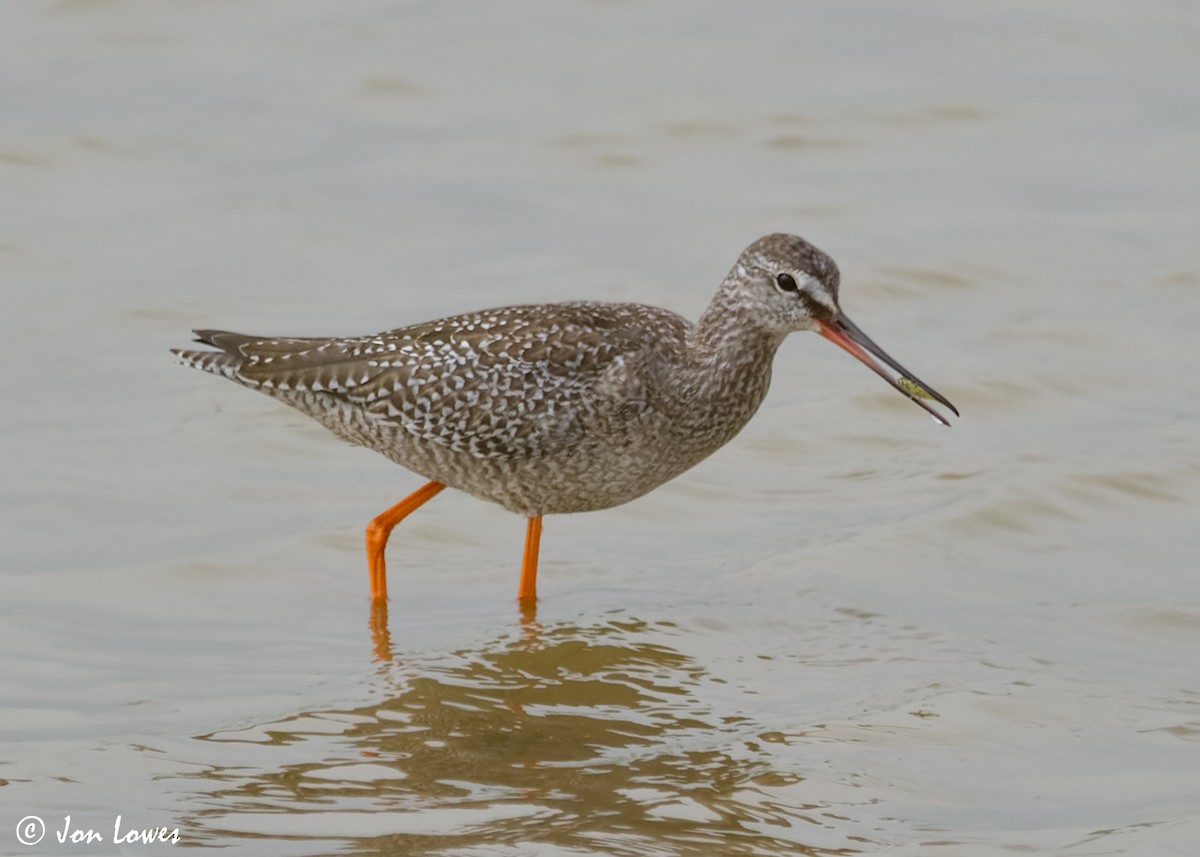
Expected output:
(226, 340)
(243, 358)
(225, 362)
(216, 362)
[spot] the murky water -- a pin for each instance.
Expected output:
(851, 631)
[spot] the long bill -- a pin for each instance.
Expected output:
(844, 333)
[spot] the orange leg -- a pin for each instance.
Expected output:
(527, 591)
(381, 527)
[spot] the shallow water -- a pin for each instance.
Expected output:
(851, 631)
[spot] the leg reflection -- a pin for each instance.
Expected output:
(381, 638)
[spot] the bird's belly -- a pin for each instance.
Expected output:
(580, 482)
(593, 475)
(616, 461)
(603, 470)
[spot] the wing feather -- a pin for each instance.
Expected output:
(519, 381)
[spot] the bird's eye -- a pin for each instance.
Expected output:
(786, 282)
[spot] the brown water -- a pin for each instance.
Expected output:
(851, 631)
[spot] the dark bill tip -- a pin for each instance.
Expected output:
(847, 335)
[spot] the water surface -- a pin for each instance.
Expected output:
(850, 631)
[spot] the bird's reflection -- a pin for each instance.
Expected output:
(381, 636)
(568, 736)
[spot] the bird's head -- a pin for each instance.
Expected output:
(788, 284)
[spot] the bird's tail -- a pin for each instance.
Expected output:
(225, 362)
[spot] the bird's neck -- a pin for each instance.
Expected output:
(729, 335)
(729, 358)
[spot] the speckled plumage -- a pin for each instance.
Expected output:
(550, 408)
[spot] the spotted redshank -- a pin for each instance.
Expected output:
(552, 408)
